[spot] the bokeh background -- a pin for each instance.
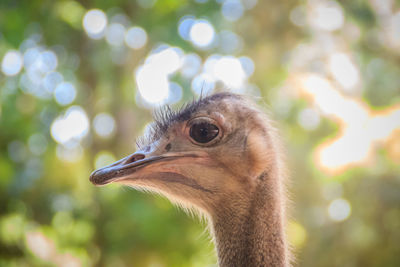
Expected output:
(79, 80)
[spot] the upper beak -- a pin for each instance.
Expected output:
(130, 165)
(122, 168)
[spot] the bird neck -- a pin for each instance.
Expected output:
(250, 232)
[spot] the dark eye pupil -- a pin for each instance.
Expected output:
(203, 132)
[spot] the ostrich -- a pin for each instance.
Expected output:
(218, 156)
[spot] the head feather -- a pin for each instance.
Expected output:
(165, 116)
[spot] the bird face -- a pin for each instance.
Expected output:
(207, 152)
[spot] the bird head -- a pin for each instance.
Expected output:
(211, 150)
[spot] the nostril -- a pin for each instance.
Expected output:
(134, 157)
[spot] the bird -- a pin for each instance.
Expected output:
(221, 157)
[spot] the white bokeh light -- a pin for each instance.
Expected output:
(65, 93)
(393, 31)
(28, 43)
(135, 37)
(382, 126)
(309, 119)
(339, 209)
(361, 128)
(232, 10)
(248, 65)
(229, 70)
(115, 34)
(298, 16)
(166, 61)
(209, 64)
(104, 125)
(41, 246)
(203, 84)
(185, 24)
(40, 77)
(71, 153)
(175, 93)
(47, 61)
(51, 80)
(336, 154)
(229, 42)
(70, 127)
(30, 56)
(94, 23)
(37, 144)
(152, 77)
(326, 15)
(202, 33)
(326, 96)
(152, 85)
(344, 70)
(191, 65)
(12, 63)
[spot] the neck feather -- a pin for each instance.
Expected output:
(251, 233)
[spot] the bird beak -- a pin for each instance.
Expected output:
(136, 165)
(121, 168)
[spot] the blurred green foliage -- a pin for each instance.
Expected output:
(51, 214)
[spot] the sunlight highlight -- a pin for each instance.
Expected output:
(65, 93)
(344, 70)
(184, 26)
(152, 76)
(353, 147)
(153, 86)
(203, 84)
(202, 33)
(104, 125)
(339, 210)
(232, 10)
(95, 23)
(115, 34)
(12, 63)
(136, 37)
(326, 15)
(191, 65)
(229, 70)
(70, 127)
(362, 130)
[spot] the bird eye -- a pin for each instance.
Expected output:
(203, 132)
